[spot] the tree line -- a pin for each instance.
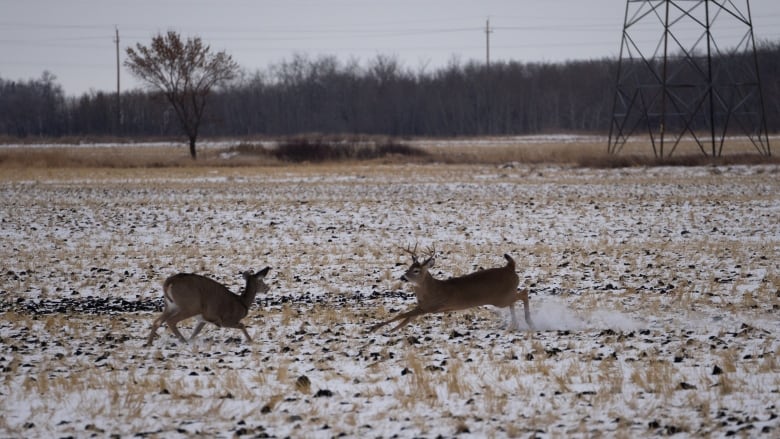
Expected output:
(380, 96)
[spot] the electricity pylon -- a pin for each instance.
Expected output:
(688, 68)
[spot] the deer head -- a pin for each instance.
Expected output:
(417, 271)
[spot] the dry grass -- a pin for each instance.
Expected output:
(118, 157)
(588, 153)
(319, 149)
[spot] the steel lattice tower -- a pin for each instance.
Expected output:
(700, 79)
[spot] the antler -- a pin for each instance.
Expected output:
(431, 253)
(412, 251)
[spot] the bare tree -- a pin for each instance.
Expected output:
(185, 72)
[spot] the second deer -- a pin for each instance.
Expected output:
(494, 286)
(190, 295)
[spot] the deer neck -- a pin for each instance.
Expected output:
(250, 291)
(427, 288)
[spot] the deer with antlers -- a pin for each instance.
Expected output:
(494, 286)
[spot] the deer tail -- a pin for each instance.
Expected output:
(509, 261)
(167, 289)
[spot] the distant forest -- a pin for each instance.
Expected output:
(380, 96)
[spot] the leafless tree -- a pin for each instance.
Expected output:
(380, 96)
(185, 72)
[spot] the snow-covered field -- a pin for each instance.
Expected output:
(656, 292)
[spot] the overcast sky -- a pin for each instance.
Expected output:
(74, 39)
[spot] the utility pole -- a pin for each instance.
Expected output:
(118, 102)
(488, 104)
(487, 43)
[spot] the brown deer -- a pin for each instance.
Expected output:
(189, 295)
(494, 286)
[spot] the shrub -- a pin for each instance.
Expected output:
(318, 149)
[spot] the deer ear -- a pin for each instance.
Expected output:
(263, 272)
(429, 263)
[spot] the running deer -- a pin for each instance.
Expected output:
(189, 295)
(494, 286)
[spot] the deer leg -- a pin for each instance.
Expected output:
(407, 317)
(523, 295)
(379, 325)
(246, 334)
(238, 325)
(156, 324)
(197, 329)
(405, 322)
(527, 313)
(175, 330)
(513, 326)
(172, 321)
(152, 334)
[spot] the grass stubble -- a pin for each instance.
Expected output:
(700, 360)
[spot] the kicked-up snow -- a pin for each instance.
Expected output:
(655, 294)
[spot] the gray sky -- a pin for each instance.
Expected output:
(74, 39)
